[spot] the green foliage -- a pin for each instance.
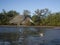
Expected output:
(40, 17)
(53, 19)
(36, 19)
(6, 16)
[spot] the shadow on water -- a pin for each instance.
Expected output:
(29, 36)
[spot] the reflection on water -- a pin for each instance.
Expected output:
(29, 36)
(41, 34)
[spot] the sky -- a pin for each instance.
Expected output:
(31, 5)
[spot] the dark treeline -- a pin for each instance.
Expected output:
(6, 16)
(42, 17)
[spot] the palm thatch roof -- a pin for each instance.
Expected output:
(20, 19)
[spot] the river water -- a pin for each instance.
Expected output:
(50, 36)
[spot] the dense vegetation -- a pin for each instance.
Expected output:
(6, 16)
(41, 17)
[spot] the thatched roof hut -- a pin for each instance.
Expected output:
(20, 19)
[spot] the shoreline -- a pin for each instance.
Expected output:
(24, 26)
